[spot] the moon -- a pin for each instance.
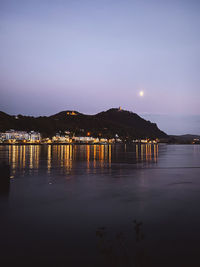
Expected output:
(141, 93)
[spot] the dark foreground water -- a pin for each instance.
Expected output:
(76, 205)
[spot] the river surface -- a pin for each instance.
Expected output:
(75, 205)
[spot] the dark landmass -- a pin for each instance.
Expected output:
(184, 139)
(127, 125)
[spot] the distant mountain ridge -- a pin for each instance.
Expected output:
(183, 139)
(127, 125)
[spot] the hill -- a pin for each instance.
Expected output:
(127, 125)
(183, 139)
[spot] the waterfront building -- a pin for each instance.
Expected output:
(103, 140)
(14, 135)
(20, 136)
(83, 139)
(60, 138)
(34, 136)
(111, 140)
(196, 141)
(145, 141)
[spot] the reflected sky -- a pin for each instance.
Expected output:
(60, 194)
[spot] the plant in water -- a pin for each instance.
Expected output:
(119, 250)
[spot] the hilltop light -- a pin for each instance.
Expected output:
(72, 113)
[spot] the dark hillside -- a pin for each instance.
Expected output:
(127, 125)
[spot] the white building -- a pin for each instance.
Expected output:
(13, 135)
(34, 136)
(83, 139)
(89, 139)
(61, 138)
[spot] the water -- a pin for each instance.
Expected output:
(60, 195)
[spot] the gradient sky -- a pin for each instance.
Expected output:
(93, 55)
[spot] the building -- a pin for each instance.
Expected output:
(20, 136)
(71, 113)
(14, 135)
(34, 136)
(59, 138)
(83, 139)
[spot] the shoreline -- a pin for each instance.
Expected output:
(51, 144)
(91, 144)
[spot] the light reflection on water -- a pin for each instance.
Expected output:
(32, 157)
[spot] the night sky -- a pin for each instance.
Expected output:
(93, 55)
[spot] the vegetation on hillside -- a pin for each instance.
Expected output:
(127, 125)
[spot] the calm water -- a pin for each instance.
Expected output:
(60, 195)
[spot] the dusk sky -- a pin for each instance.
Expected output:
(93, 55)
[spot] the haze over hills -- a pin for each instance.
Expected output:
(127, 125)
(184, 139)
(176, 123)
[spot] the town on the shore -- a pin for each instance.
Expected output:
(32, 137)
